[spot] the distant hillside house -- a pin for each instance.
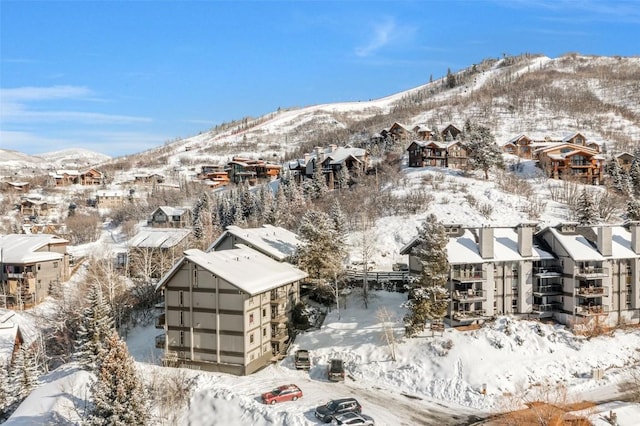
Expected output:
(35, 207)
(170, 217)
(273, 241)
(64, 177)
(112, 198)
(16, 186)
(332, 159)
(31, 265)
(570, 161)
(450, 133)
(452, 154)
(252, 171)
(227, 310)
(148, 179)
(520, 145)
(400, 133)
(423, 133)
(624, 160)
(10, 338)
(92, 177)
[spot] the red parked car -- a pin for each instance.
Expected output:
(281, 394)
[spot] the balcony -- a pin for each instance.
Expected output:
(160, 340)
(547, 290)
(591, 272)
(590, 291)
(280, 336)
(467, 275)
(547, 272)
(469, 295)
(547, 307)
(590, 310)
(468, 315)
(278, 297)
(160, 321)
(278, 316)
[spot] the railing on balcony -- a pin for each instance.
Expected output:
(547, 272)
(547, 307)
(468, 315)
(467, 275)
(590, 291)
(586, 310)
(548, 289)
(278, 296)
(469, 295)
(160, 339)
(591, 272)
(278, 315)
(280, 336)
(160, 321)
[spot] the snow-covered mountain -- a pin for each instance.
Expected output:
(15, 162)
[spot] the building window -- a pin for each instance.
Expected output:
(264, 312)
(264, 332)
(181, 297)
(250, 318)
(55, 264)
(181, 318)
(251, 339)
(182, 338)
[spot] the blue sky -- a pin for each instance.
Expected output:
(119, 77)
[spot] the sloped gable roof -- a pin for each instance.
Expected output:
(159, 238)
(242, 267)
(276, 242)
(23, 248)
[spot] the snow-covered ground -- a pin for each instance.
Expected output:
(433, 379)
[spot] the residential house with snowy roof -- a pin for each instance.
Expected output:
(170, 217)
(571, 161)
(600, 271)
(112, 198)
(64, 177)
(16, 186)
(450, 132)
(273, 241)
(92, 177)
(332, 159)
(422, 132)
(153, 251)
(30, 266)
(624, 160)
(520, 145)
(452, 154)
(33, 206)
(242, 169)
(400, 133)
(227, 310)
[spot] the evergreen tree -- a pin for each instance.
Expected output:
(7, 393)
(634, 173)
(633, 209)
(117, 392)
(451, 79)
(320, 253)
(96, 324)
(316, 187)
(339, 220)
(483, 152)
(247, 202)
(586, 211)
(343, 178)
(24, 373)
(429, 300)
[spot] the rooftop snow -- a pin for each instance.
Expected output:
(23, 248)
(279, 243)
(159, 238)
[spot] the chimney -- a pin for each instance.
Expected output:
(634, 228)
(306, 158)
(525, 239)
(319, 154)
(486, 242)
(333, 147)
(604, 240)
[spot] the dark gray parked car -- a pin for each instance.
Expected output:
(326, 413)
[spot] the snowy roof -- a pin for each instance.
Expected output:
(173, 211)
(10, 323)
(243, 267)
(276, 242)
(111, 193)
(464, 249)
(581, 248)
(340, 154)
(159, 238)
(23, 248)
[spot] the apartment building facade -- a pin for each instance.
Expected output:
(227, 310)
(571, 273)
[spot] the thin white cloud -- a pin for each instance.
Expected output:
(15, 105)
(383, 34)
(30, 93)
